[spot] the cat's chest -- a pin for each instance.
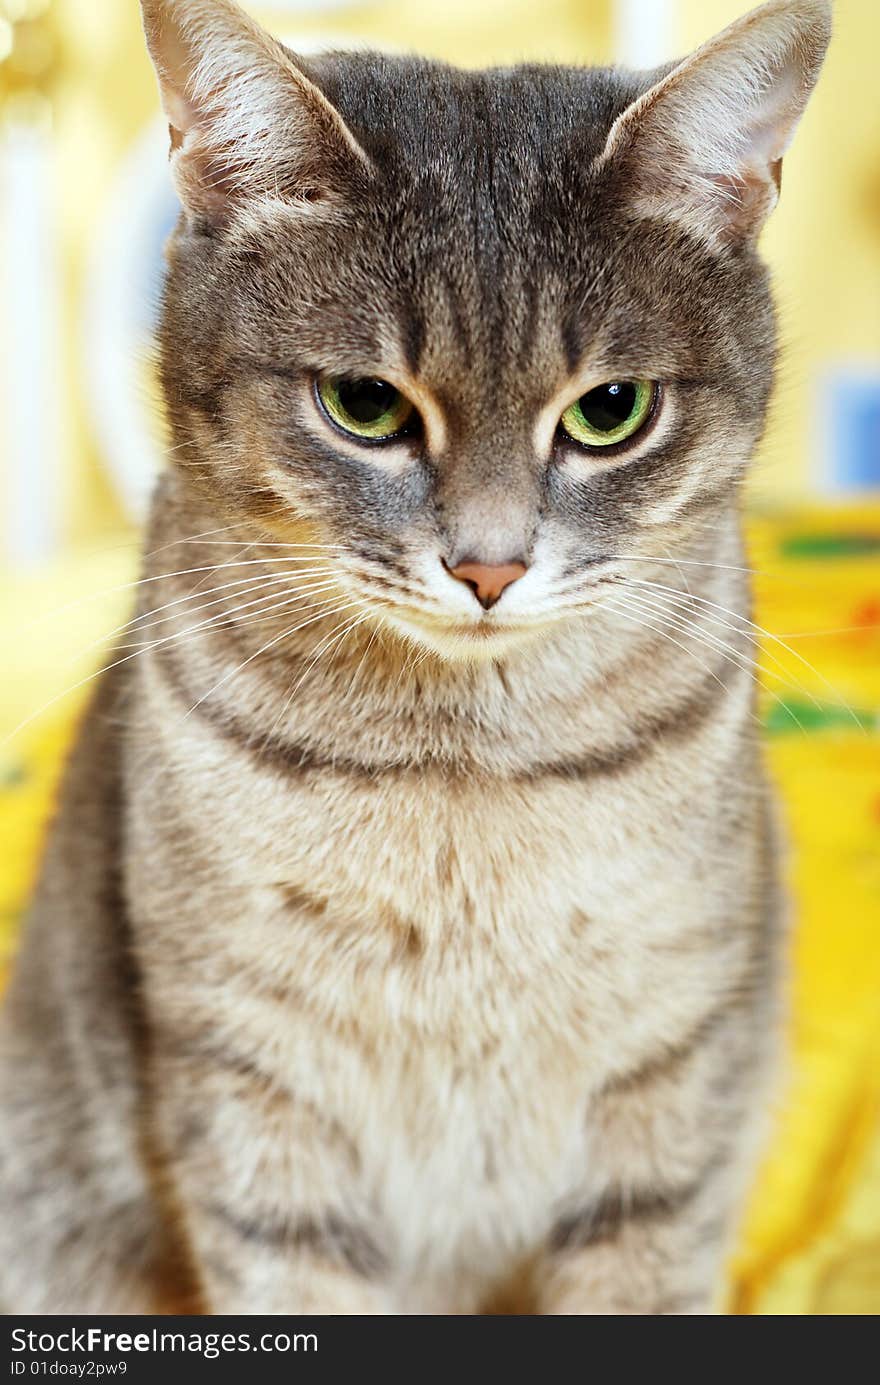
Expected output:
(432, 847)
(471, 1164)
(447, 896)
(434, 853)
(452, 897)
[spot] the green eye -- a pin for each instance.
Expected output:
(366, 408)
(610, 413)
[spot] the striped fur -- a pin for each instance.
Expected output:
(391, 956)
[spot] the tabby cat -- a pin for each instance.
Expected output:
(407, 937)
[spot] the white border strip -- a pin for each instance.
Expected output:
(115, 317)
(30, 375)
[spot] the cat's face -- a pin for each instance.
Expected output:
(472, 346)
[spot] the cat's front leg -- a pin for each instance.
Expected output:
(638, 1251)
(247, 1266)
(670, 1145)
(266, 1189)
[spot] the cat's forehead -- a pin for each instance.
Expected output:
(482, 257)
(414, 112)
(480, 247)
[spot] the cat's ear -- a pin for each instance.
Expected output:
(245, 121)
(704, 145)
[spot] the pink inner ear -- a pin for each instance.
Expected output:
(747, 200)
(177, 108)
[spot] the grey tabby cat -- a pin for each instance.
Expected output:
(407, 937)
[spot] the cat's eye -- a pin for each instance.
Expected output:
(366, 408)
(611, 413)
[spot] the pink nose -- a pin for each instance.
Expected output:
(488, 581)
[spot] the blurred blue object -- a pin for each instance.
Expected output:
(850, 460)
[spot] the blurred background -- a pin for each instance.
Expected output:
(85, 204)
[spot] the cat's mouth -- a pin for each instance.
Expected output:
(482, 630)
(453, 637)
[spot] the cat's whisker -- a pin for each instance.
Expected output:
(692, 562)
(192, 538)
(422, 657)
(746, 662)
(139, 650)
(146, 581)
(246, 583)
(200, 584)
(775, 575)
(142, 622)
(740, 660)
(315, 657)
(363, 659)
(249, 613)
(624, 609)
(287, 598)
(285, 634)
(412, 648)
(662, 597)
(768, 635)
(223, 620)
(681, 572)
(679, 620)
(265, 543)
(324, 648)
(414, 656)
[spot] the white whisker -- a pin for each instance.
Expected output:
(247, 583)
(155, 577)
(266, 543)
(661, 597)
(767, 634)
(285, 634)
(231, 613)
(322, 649)
(625, 612)
(142, 649)
(733, 656)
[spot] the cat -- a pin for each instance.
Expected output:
(408, 935)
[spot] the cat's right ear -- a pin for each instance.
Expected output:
(703, 146)
(245, 121)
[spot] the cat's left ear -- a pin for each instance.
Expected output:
(245, 120)
(704, 145)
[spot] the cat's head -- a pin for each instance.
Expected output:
(480, 331)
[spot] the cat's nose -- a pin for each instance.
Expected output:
(488, 581)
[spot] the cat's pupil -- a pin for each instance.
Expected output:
(366, 401)
(608, 406)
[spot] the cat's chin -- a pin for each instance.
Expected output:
(465, 641)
